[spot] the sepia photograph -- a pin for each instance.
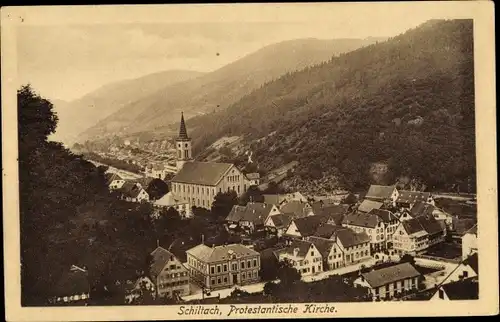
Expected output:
(249, 160)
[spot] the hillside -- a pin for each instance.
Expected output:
(78, 115)
(219, 89)
(406, 104)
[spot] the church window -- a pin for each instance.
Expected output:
(183, 188)
(198, 189)
(238, 189)
(179, 145)
(186, 145)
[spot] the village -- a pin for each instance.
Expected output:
(390, 243)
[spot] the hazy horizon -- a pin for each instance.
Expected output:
(68, 61)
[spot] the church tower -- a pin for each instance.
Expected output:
(183, 146)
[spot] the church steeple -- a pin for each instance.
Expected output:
(182, 130)
(183, 145)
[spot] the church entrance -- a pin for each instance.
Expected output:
(235, 279)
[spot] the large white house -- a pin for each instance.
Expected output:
(197, 183)
(303, 256)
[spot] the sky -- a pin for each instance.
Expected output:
(69, 53)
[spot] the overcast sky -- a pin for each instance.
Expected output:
(70, 56)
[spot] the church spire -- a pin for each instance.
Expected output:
(182, 131)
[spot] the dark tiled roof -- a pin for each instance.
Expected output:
(406, 196)
(220, 253)
(421, 209)
(379, 192)
(308, 225)
(255, 212)
(74, 281)
(385, 215)
(383, 276)
(349, 238)
(367, 205)
(296, 207)
(110, 177)
(462, 225)
(274, 199)
(320, 208)
(472, 261)
(282, 220)
(361, 219)
(203, 173)
(144, 182)
(467, 289)
(323, 245)
(182, 129)
(161, 257)
(327, 230)
(301, 245)
(130, 189)
(423, 223)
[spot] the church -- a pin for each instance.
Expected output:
(197, 183)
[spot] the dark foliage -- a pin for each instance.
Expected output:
(223, 203)
(157, 188)
(407, 102)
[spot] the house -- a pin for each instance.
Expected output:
(197, 183)
(168, 274)
(133, 291)
(370, 224)
(336, 212)
(278, 223)
(72, 287)
(133, 192)
(303, 256)
(171, 201)
(354, 246)
(253, 179)
(384, 194)
(297, 207)
(367, 205)
(328, 231)
(330, 252)
(304, 226)
(469, 242)
(281, 199)
(252, 216)
(385, 283)
(114, 181)
(160, 171)
(391, 223)
(407, 199)
(461, 226)
(426, 209)
(223, 266)
(467, 268)
(417, 234)
(467, 289)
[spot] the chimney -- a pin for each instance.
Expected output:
(157, 243)
(203, 239)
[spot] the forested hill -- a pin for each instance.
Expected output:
(407, 103)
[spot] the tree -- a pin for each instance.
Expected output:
(253, 194)
(223, 203)
(287, 274)
(407, 258)
(157, 188)
(350, 199)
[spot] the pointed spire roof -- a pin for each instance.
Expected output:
(182, 131)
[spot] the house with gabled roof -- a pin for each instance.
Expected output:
(168, 274)
(330, 252)
(335, 212)
(252, 216)
(367, 205)
(297, 207)
(172, 201)
(370, 224)
(199, 182)
(417, 234)
(385, 283)
(384, 194)
(407, 199)
(114, 181)
(327, 230)
(133, 192)
(253, 179)
(355, 246)
(421, 208)
(223, 266)
(278, 223)
(306, 226)
(303, 256)
(467, 289)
